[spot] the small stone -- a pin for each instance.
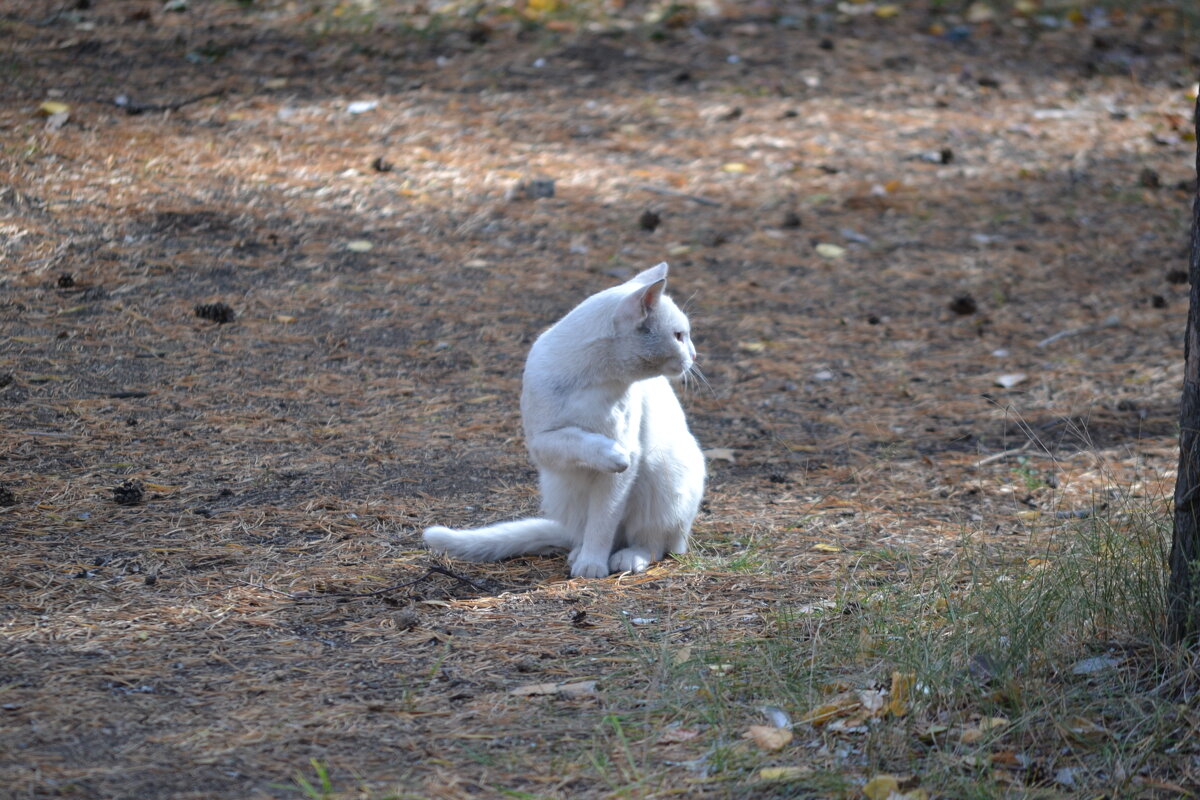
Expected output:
(66, 280)
(219, 313)
(791, 220)
(1149, 179)
(649, 220)
(1158, 301)
(128, 493)
(963, 305)
(1177, 276)
(408, 619)
(530, 190)
(381, 164)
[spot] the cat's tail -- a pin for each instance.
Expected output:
(502, 540)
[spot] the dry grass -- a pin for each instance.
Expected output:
(213, 640)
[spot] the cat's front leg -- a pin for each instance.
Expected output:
(572, 447)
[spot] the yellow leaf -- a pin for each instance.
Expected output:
(881, 787)
(768, 737)
(536, 8)
(682, 655)
(822, 547)
(980, 12)
(284, 318)
(783, 773)
(838, 706)
(829, 250)
(887, 11)
(753, 347)
(1025, 7)
(53, 107)
(734, 166)
(902, 683)
(1082, 728)
(893, 186)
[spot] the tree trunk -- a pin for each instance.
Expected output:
(1183, 591)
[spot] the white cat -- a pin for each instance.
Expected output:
(621, 476)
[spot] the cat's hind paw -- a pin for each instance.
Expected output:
(630, 559)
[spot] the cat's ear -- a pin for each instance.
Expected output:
(639, 304)
(656, 273)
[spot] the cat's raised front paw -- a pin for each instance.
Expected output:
(614, 459)
(589, 569)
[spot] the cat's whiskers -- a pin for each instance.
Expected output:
(694, 370)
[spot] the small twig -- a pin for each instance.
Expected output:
(704, 201)
(983, 462)
(133, 108)
(1110, 322)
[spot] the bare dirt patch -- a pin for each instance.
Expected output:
(210, 639)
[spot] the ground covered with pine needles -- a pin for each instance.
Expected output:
(269, 276)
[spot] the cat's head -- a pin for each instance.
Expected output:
(653, 335)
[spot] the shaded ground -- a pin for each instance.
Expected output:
(196, 645)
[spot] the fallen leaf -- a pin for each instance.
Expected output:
(1010, 380)
(873, 701)
(975, 733)
(881, 787)
(359, 246)
(52, 107)
(822, 547)
(720, 454)
(838, 706)
(284, 318)
(887, 11)
(768, 737)
(734, 166)
(477, 263)
(980, 12)
(753, 347)
(682, 655)
(830, 250)
(783, 773)
(1094, 664)
(675, 735)
(902, 684)
(577, 689)
(1083, 729)
(56, 121)
(777, 716)
(931, 732)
